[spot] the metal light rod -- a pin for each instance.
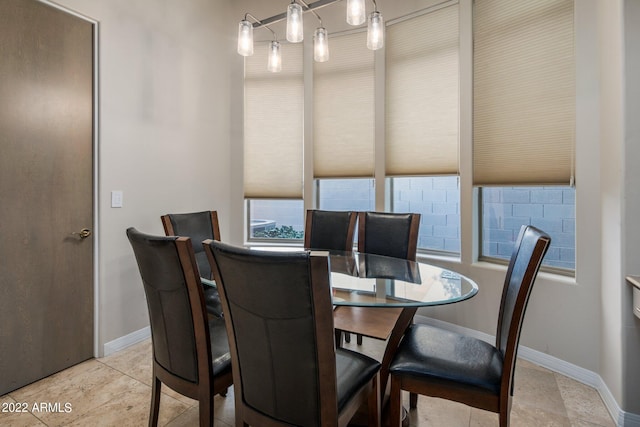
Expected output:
(282, 16)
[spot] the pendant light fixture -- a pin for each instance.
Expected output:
(275, 60)
(245, 38)
(320, 38)
(375, 29)
(356, 13)
(321, 45)
(294, 23)
(245, 42)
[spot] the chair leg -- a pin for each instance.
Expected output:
(395, 403)
(375, 407)
(504, 418)
(206, 412)
(413, 400)
(347, 337)
(155, 402)
(359, 339)
(338, 337)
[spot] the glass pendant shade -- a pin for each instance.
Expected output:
(375, 31)
(321, 45)
(275, 60)
(356, 13)
(294, 23)
(245, 38)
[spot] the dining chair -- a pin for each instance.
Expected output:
(279, 317)
(439, 363)
(389, 234)
(190, 349)
(199, 226)
(381, 233)
(329, 230)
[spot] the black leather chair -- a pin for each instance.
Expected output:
(439, 363)
(279, 319)
(389, 234)
(190, 349)
(199, 226)
(380, 233)
(329, 230)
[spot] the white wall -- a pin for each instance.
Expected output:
(164, 132)
(611, 160)
(631, 249)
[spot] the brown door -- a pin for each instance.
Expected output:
(46, 191)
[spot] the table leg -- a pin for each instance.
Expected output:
(402, 324)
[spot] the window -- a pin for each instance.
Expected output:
(275, 219)
(523, 124)
(552, 209)
(422, 122)
(273, 126)
(438, 200)
(346, 194)
(395, 115)
(273, 151)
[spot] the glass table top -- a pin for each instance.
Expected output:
(367, 280)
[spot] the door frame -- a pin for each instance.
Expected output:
(96, 152)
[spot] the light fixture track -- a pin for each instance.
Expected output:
(305, 7)
(260, 23)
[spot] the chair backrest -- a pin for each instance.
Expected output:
(529, 250)
(389, 234)
(329, 230)
(199, 226)
(179, 329)
(279, 321)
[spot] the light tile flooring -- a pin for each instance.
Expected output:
(115, 390)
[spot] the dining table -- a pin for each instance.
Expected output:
(396, 287)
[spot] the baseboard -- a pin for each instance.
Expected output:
(622, 418)
(627, 419)
(126, 341)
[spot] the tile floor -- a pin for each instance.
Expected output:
(115, 390)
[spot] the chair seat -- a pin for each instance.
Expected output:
(220, 357)
(353, 371)
(434, 354)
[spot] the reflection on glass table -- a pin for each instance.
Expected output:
(367, 280)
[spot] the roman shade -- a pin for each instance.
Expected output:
(273, 138)
(343, 94)
(523, 92)
(422, 94)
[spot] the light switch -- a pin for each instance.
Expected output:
(116, 199)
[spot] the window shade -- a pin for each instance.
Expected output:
(524, 92)
(343, 93)
(273, 108)
(422, 95)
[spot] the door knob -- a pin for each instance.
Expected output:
(83, 234)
